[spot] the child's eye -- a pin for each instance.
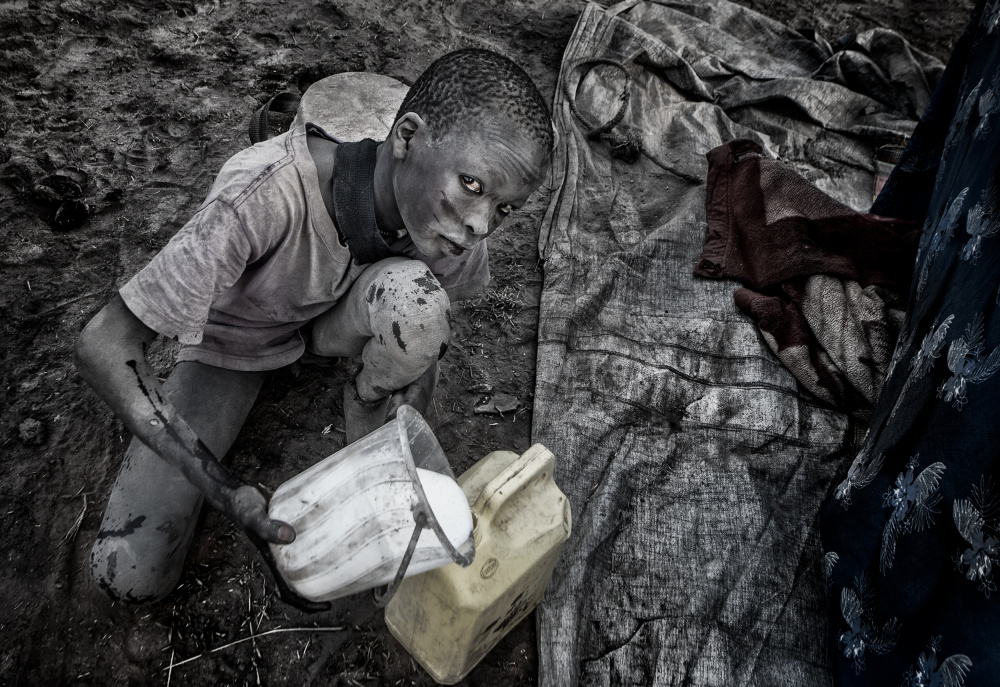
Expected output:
(504, 209)
(471, 183)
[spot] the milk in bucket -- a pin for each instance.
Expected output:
(355, 513)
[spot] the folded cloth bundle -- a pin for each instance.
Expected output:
(824, 283)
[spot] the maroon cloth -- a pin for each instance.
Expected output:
(792, 339)
(767, 224)
(776, 233)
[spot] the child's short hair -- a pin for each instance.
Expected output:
(478, 84)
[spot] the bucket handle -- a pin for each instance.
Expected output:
(423, 513)
(424, 519)
(385, 597)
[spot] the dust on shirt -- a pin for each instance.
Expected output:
(259, 259)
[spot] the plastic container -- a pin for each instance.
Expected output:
(450, 618)
(384, 506)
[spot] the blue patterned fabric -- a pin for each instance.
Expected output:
(911, 534)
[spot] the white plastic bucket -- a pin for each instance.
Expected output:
(383, 507)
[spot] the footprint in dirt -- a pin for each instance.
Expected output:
(157, 149)
(64, 191)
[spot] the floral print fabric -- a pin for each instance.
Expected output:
(911, 534)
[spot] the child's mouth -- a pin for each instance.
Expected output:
(451, 247)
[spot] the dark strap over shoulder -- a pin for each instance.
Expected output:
(283, 102)
(354, 201)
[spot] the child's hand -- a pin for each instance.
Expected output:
(288, 595)
(248, 507)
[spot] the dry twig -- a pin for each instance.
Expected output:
(75, 527)
(173, 665)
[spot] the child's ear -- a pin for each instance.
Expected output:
(403, 131)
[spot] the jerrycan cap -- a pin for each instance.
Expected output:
(420, 449)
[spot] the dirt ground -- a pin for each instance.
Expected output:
(114, 117)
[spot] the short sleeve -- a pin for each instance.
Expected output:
(174, 292)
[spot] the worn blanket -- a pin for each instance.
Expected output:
(824, 283)
(693, 461)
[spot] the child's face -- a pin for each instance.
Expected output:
(455, 192)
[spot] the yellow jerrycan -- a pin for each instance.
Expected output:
(450, 618)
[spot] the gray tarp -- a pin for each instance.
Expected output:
(694, 463)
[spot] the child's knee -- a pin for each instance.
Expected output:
(125, 575)
(411, 319)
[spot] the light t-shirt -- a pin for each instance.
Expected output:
(259, 259)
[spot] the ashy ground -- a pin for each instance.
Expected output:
(114, 117)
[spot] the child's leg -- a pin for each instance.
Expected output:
(149, 521)
(396, 318)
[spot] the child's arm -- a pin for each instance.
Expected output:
(110, 356)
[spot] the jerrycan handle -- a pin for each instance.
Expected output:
(532, 464)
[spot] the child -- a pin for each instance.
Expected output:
(304, 243)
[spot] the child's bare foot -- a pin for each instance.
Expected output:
(416, 395)
(362, 417)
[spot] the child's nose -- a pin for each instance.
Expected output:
(478, 223)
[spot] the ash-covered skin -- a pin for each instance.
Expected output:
(130, 527)
(427, 284)
(375, 293)
(210, 465)
(170, 530)
(243, 504)
(112, 573)
(108, 584)
(450, 192)
(397, 333)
